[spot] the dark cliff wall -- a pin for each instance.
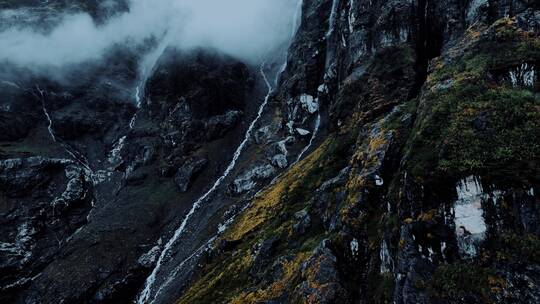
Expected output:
(423, 187)
(395, 160)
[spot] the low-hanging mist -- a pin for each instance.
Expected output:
(245, 29)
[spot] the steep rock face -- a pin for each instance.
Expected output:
(84, 134)
(423, 184)
(44, 202)
(393, 159)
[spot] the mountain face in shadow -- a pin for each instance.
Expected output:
(387, 153)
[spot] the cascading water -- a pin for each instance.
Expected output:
(74, 154)
(297, 19)
(313, 136)
(146, 295)
(114, 155)
(221, 228)
(295, 25)
(332, 19)
(328, 76)
(47, 116)
(148, 66)
(352, 16)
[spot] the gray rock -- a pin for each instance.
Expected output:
(187, 173)
(148, 259)
(280, 161)
(248, 180)
(303, 222)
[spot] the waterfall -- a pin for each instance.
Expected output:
(114, 155)
(352, 17)
(332, 19)
(148, 66)
(297, 19)
(145, 295)
(72, 152)
(47, 116)
(221, 228)
(313, 136)
(296, 24)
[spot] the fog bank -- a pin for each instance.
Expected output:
(245, 29)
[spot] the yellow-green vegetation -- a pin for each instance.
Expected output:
(470, 121)
(293, 187)
(365, 95)
(226, 279)
(455, 281)
(518, 248)
(291, 271)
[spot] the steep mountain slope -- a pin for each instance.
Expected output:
(424, 187)
(389, 154)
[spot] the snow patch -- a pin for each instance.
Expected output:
(468, 216)
(323, 88)
(302, 132)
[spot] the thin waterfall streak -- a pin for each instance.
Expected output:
(221, 228)
(177, 269)
(148, 67)
(332, 19)
(78, 158)
(47, 116)
(297, 18)
(146, 293)
(313, 136)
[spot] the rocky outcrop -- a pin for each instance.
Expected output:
(44, 202)
(187, 172)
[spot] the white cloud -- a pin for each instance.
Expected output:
(242, 28)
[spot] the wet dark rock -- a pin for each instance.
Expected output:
(303, 222)
(185, 174)
(217, 126)
(262, 253)
(397, 85)
(321, 278)
(249, 179)
(14, 126)
(44, 201)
